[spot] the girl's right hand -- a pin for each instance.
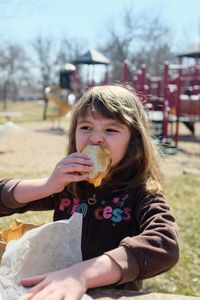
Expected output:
(73, 168)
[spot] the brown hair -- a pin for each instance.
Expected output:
(140, 165)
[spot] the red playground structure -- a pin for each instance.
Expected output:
(171, 98)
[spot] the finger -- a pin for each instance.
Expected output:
(27, 296)
(37, 289)
(75, 177)
(50, 292)
(83, 160)
(75, 168)
(79, 154)
(31, 281)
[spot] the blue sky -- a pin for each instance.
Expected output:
(22, 20)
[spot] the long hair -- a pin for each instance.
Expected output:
(140, 164)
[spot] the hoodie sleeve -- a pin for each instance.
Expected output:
(9, 206)
(155, 249)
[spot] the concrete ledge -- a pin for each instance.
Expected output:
(108, 294)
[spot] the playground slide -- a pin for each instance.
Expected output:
(58, 106)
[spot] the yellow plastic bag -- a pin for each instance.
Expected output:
(16, 230)
(2, 249)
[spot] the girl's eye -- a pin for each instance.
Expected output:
(85, 127)
(111, 130)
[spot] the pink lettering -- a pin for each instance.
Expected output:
(116, 200)
(126, 214)
(75, 205)
(64, 202)
(107, 213)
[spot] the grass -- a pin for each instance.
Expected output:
(31, 110)
(183, 196)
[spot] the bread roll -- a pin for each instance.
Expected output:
(102, 161)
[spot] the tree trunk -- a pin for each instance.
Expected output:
(5, 96)
(45, 107)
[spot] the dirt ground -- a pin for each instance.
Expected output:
(39, 146)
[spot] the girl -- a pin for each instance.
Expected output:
(128, 231)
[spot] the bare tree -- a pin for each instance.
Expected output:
(44, 61)
(13, 67)
(48, 60)
(44, 64)
(141, 39)
(69, 49)
(154, 46)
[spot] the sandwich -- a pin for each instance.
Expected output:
(102, 162)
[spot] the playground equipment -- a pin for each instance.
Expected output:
(171, 98)
(57, 107)
(92, 58)
(60, 98)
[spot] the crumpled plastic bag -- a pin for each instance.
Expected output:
(47, 248)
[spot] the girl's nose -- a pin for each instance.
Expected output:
(96, 138)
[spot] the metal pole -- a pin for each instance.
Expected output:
(165, 102)
(178, 106)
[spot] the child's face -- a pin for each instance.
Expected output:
(94, 129)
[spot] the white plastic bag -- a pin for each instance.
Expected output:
(44, 249)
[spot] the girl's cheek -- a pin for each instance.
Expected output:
(80, 143)
(78, 146)
(77, 141)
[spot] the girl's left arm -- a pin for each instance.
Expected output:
(73, 282)
(156, 249)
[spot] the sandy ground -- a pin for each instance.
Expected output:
(39, 146)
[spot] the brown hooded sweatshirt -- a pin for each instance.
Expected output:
(135, 228)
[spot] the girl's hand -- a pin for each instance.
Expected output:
(73, 282)
(60, 285)
(73, 168)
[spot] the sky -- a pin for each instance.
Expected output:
(23, 20)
